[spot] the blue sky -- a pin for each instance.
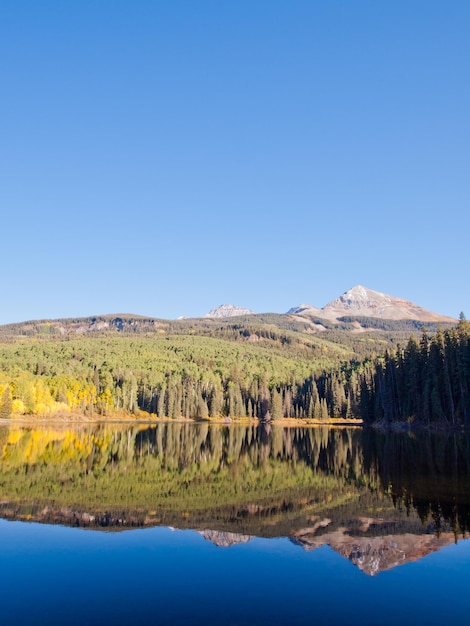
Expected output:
(162, 158)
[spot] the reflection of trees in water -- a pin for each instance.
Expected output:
(181, 467)
(337, 452)
(181, 446)
(202, 462)
(427, 471)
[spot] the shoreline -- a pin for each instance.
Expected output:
(77, 418)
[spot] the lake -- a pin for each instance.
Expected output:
(182, 523)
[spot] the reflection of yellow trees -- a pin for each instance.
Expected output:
(174, 466)
(183, 445)
(26, 446)
(43, 446)
(198, 470)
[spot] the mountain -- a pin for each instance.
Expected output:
(305, 309)
(228, 310)
(96, 325)
(360, 301)
(363, 302)
(359, 310)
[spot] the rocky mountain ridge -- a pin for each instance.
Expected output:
(363, 302)
(358, 301)
(355, 311)
(305, 309)
(228, 310)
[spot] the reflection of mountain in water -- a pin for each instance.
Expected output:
(374, 554)
(371, 554)
(377, 499)
(224, 540)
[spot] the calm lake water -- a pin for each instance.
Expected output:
(209, 524)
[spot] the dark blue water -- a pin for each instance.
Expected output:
(294, 526)
(55, 575)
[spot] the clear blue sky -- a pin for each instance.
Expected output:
(164, 157)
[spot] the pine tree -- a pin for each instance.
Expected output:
(276, 404)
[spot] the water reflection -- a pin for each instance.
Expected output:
(377, 499)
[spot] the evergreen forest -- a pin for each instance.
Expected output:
(268, 367)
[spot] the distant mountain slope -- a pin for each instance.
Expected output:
(360, 322)
(363, 302)
(305, 309)
(228, 310)
(99, 324)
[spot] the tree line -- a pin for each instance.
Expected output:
(427, 382)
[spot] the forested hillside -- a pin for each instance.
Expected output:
(262, 366)
(170, 376)
(427, 382)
